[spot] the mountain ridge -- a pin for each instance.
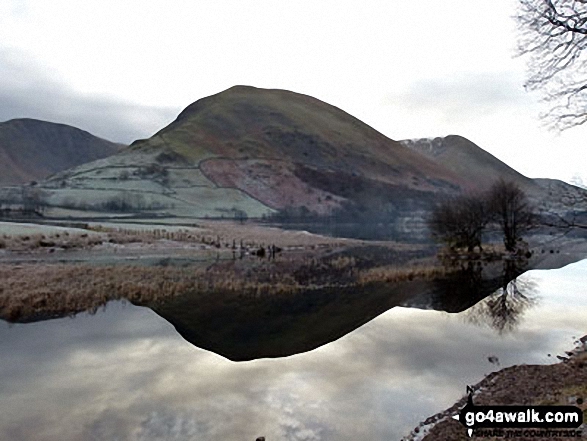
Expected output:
(263, 151)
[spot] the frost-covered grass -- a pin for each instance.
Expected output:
(179, 177)
(59, 212)
(22, 229)
(151, 196)
(218, 201)
(142, 185)
(123, 159)
(97, 200)
(141, 227)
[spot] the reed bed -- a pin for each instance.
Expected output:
(35, 290)
(64, 240)
(394, 274)
(31, 290)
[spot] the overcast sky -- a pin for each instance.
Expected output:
(123, 70)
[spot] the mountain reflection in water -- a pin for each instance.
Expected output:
(124, 374)
(249, 328)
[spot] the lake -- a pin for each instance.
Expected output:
(125, 373)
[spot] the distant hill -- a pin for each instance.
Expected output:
(579, 181)
(480, 169)
(32, 150)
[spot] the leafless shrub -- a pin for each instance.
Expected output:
(512, 212)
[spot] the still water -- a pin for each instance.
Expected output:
(126, 374)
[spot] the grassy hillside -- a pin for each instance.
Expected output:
(244, 122)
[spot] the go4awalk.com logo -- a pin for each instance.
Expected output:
(520, 421)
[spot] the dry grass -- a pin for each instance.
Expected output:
(53, 290)
(227, 235)
(64, 240)
(36, 290)
(264, 235)
(392, 274)
(307, 262)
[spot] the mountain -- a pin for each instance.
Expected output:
(254, 152)
(478, 168)
(32, 150)
(258, 151)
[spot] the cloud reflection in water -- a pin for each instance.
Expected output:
(125, 374)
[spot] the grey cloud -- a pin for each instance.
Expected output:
(28, 91)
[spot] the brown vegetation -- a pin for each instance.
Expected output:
(273, 182)
(219, 235)
(65, 241)
(247, 260)
(31, 291)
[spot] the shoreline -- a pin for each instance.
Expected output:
(562, 383)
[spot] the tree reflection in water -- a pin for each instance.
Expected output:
(503, 310)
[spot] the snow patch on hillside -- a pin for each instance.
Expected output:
(430, 146)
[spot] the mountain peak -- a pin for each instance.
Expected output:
(242, 97)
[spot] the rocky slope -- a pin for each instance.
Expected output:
(560, 384)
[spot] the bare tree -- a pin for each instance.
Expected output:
(504, 309)
(460, 222)
(512, 212)
(553, 33)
